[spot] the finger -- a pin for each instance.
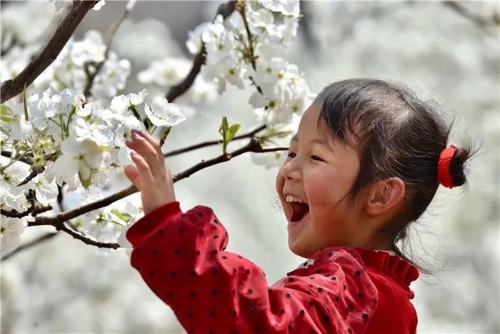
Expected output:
(132, 175)
(150, 139)
(144, 171)
(148, 152)
(155, 144)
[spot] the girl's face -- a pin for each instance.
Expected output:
(313, 185)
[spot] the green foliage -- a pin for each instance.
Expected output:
(227, 132)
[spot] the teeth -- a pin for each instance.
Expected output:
(290, 198)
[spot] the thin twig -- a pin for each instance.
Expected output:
(23, 159)
(225, 10)
(109, 40)
(32, 210)
(67, 215)
(86, 240)
(481, 21)
(241, 10)
(213, 142)
(30, 244)
(253, 146)
(174, 92)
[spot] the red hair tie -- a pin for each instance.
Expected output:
(443, 171)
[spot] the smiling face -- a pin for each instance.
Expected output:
(320, 172)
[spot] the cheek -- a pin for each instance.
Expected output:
(280, 182)
(321, 189)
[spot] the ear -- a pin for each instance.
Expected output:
(384, 196)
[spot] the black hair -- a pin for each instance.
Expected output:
(397, 135)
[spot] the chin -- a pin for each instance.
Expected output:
(299, 249)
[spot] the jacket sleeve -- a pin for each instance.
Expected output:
(182, 258)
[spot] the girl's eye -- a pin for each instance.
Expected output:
(291, 155)
(315, 157)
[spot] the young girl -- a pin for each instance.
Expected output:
(366, 161)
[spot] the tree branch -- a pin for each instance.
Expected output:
(33, 210)
(64, 31)
(253, 146)
(85, 240)
(70, 214)
(225, 10)
(30, 244)
(213, 142)
(109, 39)
(482, 21)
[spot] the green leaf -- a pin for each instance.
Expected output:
(121, 215)
(85, 183)
(223, 131)
(223, 127)
(6, 115)
(232, 131)
(227, 132)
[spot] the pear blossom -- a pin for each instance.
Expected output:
(228, 70)
(112, 77)
(12, 174)
(166, 72)
(10, 233)
(78, 158)
(46, 192)
(81, 141)
(90, 49)
(284, 91)
(162, 113)
(286, 7)
(219, 42)
(194, 43)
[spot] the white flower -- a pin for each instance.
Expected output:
(112, 77)
(78, 158)
(268, 160)
(162, 113)
(90, 49)
(287, 7)
(97, 128)
(64, 103)
(100, 4)
(166, 72)
(11, 175)
(219, 42)
(10, 233)
(194, 42)
(229, 69)
(121, 104)
(46, 192)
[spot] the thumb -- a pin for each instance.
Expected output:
(132, 175)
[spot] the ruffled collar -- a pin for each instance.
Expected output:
(390, 264)
(384, 262)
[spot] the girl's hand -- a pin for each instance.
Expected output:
(149, 175)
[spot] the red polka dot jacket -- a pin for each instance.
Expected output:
(182, 258)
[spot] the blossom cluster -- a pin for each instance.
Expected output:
(248, 47)
(70, 132)
(71, 144)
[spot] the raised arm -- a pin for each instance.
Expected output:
(181, 258)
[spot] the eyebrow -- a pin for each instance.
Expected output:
(320, 141)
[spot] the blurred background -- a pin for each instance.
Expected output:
(446, 51)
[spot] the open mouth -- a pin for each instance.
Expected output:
(299, 211)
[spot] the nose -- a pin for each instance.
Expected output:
(291, 170)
